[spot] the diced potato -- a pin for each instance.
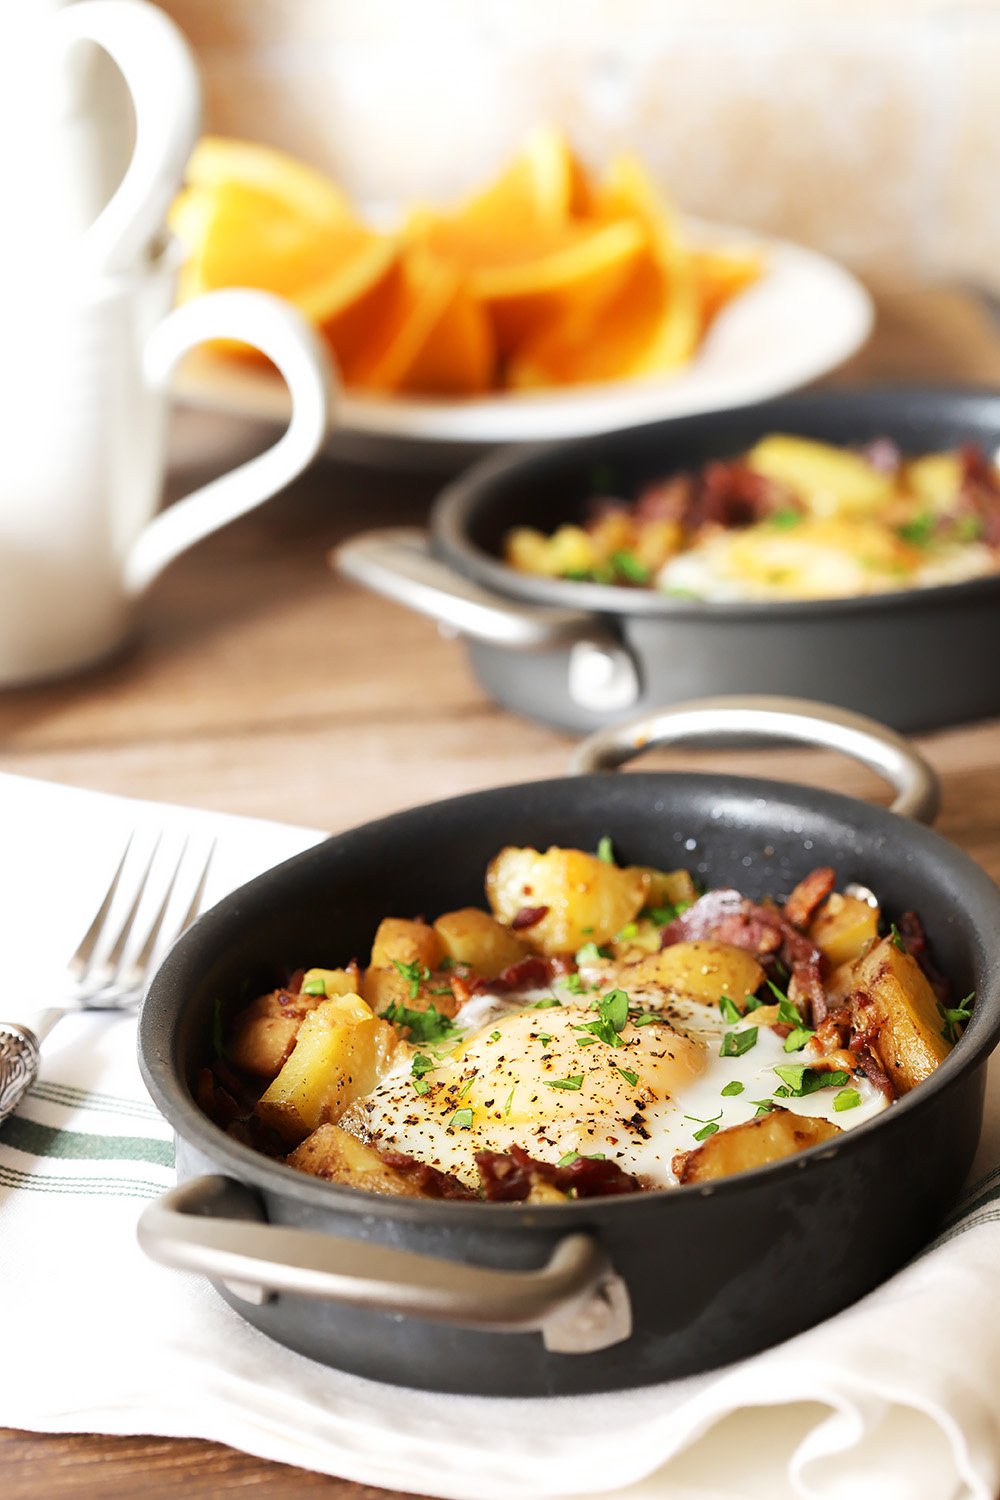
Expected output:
(753, 1144)
(635, 940)
(831, 481)
(702, 970)
(336, 1156)
(262, 1036)
(669, 887)
(587, 899)
(401, 942)
(341, 1052)
(384, 987)
(843, 928)
(936, 480)
(571, 550)
(334, 981)
(473, 937)
(895, 1009)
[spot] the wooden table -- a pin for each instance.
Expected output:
(260, 684)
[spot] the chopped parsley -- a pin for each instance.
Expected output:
(421, 1086)
(466, 1086)
(735, 1043)
(494, 1036)
(968, 529)
(705, 1131)
(629, 931)
(510, 1101)
(797, 1038)
(800, 1079)
(896, 938)
(630, 568)
(425, 1025)
(422, 1064)
(545, 1004)
(415, 975)
(729, 1010)
(955, 1017)
(575, 984)
(606, 849)
(314, 987)
(751, 1003)
(732, 1089)
(612, 1012)
(590, 951)
(788, 1014)
(568, 1159)
(544, 1038)
(764, 1107)
(920, 531)
(846, 1099)
(630, 1078)
(644, 1017)
(662, 916)
(462, 1119)
(781, 997)
(574, 1083)
(784, 520)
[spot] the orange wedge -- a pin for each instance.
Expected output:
(543, 186)
(217, 161)
(239, 236)
(429, 336)
(650, 327)
(721, 275)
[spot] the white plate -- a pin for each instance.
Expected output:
(805, 316)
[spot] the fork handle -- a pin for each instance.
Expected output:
(19, 1059)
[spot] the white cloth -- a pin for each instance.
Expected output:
(897, 1398)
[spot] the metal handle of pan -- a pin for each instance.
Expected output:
(398, 563)
(215, 1225)
(750, 718)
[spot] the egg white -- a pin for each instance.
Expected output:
(531, 1077)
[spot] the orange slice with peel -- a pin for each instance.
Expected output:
(218, 161)
(429, 335)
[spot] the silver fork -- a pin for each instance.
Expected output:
(114, 981)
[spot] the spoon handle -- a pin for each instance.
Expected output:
(19, 1058)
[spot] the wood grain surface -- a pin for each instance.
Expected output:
(260, 684)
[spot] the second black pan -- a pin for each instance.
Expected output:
(581, 656)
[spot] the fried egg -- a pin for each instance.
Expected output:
(816, 559)
(540, 1076)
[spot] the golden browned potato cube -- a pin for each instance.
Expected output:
(401, 942)
(843, 928)
(333, 982)
(701, 970)
(832, 481)
(384, 987)
(336, 1156)
(896, 1011)
(262, 1036)
(586, 899)
(473, 937)
(669, 887)
(341, 1052)
(754, 1144)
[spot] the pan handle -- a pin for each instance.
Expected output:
(215, 1225)
(752, 717)
(398, 563)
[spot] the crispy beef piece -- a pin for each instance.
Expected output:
(863, 1049)
(528, 916)
(428, 1179)
(805, 989)
(666, 500)
(800, 908)
(980, 491)
(508, 1177)
(216, 1101)
(727, 917)
(914, 940)
(732, 495)
(529, 973)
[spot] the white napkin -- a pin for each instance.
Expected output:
(898, 1397)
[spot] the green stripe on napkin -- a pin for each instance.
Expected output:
(76, 1145)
